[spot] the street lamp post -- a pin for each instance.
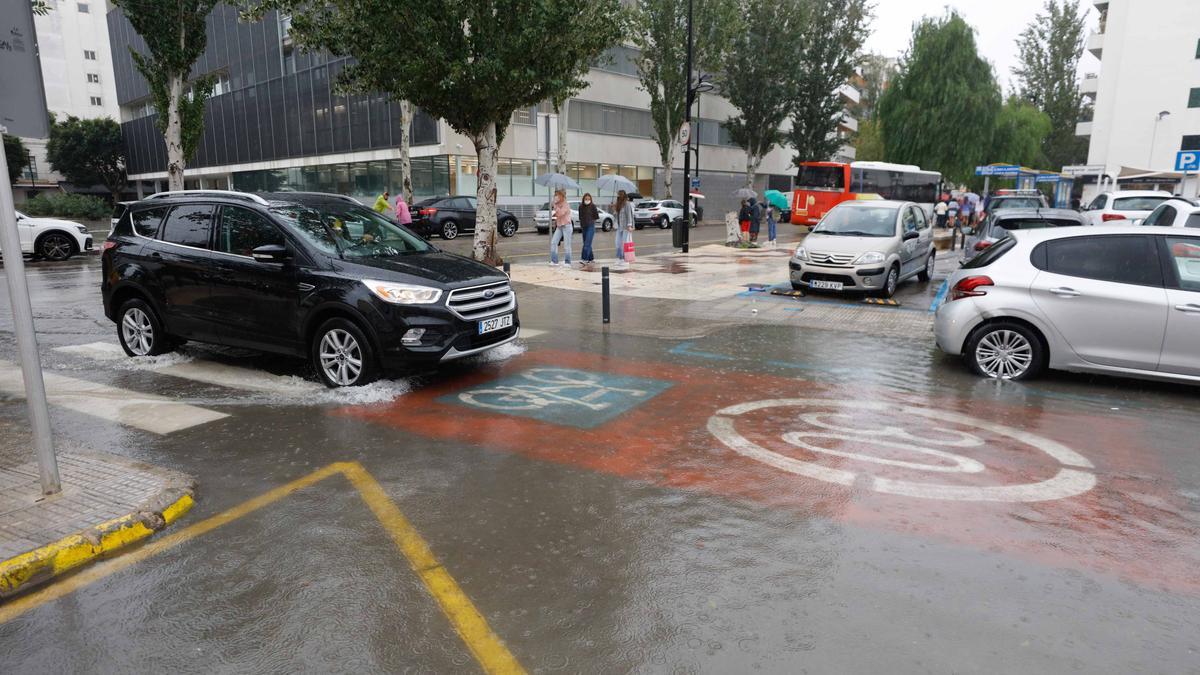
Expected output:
(1154, 137)
(687, 151)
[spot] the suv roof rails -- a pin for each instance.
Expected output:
(346, 198)
(216, 193)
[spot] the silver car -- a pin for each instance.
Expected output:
(998, 224)
(865, 246)
(1123, 300)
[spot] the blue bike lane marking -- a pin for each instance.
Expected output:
(583, 399)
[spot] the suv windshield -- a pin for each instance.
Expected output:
(1033, 223)
(352, 230)
(859, 221)
(1137, 203)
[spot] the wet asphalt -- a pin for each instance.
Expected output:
(659, 527)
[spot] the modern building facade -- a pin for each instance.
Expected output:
(77, 75)
(1147, 95)
(276, 122)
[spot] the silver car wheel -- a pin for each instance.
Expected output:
(341, 357)
(138, 332)
(893, 281)
(930, 263)
(1004, 354)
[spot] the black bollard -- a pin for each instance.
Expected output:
(507, 268)
(604, 292)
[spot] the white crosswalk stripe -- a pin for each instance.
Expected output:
(151, 413)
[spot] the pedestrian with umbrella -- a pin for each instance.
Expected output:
(625, 226)
(560, 213)
(745, 213)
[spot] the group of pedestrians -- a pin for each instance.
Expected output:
(956, 213)
(403, 216)
(750, 216)
(564, 228)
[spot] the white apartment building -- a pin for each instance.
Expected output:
(77, 74)
(1147, 95)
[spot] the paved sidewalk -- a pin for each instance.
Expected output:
(107, 503)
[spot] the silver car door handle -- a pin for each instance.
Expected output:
(1190, 309)
(1065, 292)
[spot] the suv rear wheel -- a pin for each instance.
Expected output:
(508, 227)
(140, 331)
(342, 355)
(449, 230)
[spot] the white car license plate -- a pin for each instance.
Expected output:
(827, 285)
(495, 323)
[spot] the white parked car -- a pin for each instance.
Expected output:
(1123, 205)
(1120, 300)
(542, 218)
(1175, 212)
(51, 238)
(660, 213)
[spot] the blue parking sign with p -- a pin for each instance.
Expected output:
(1188, 160)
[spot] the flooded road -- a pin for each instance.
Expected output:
(754, 493)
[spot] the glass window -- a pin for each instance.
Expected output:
(1185, 254)
(1119, 259)
(1032, 223)
(83, 8)
(363, 233)
(522, 177)
(189, 225)
(1190, 142)
(860, 219)
(243, 230)
(822, 178)
(1193, 221)
(1194, 98)
(146, 222)
(1098, 203)
(309, 225)
(1163, 215)
(910, 220)
(89, 55)
(922, 221)
(1137, 203)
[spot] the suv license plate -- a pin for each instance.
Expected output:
(495, 323)
(827, 285)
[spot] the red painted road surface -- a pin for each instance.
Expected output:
(1071, 491)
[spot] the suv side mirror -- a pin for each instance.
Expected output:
(910, 235)
(271, 253)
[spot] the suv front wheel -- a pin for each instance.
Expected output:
(449, 230)
(342, 355)
(140, 331)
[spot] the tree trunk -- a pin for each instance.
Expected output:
(752, 164)
(669, 169)
(487, 151)
(174, 134)
(405, 158)
(561, 166)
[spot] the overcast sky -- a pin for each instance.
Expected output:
(997, 24)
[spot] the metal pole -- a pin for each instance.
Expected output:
(22, 312)
(687, 152)
(508, 268)
(604, 293)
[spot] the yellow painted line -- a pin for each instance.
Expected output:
(487, 647)
(484, 644)
(76, 550)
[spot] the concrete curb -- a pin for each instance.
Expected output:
(44, 563)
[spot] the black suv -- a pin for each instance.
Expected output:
(303, 274)
(449, 217)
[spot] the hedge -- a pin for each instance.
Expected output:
(67, 205)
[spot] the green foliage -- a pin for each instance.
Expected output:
(940, 111)
(1019, 133)
(470, 62)
(1048, 74)
(659, 32)
(67, 205)
(88, 152)
(829, 41)
(15, 156)
(759, 76)
(868, 142)
(175, 37)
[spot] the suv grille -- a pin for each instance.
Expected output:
(831, 259)
(480, 301)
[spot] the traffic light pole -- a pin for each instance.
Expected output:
(22, 313)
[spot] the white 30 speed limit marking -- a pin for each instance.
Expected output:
(823, 417)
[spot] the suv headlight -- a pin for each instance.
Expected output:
(82, 229)
(801, 254)
(403, 294)
(870, 258)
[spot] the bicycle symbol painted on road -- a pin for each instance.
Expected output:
(903, 443)
(577, 398)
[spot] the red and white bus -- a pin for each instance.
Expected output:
(820, 186)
